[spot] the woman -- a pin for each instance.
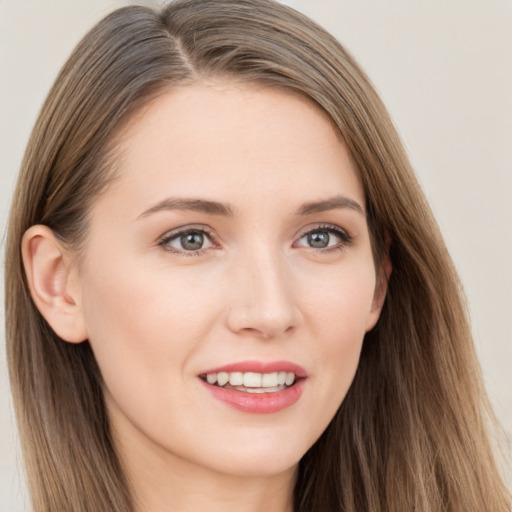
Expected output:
(230, 289)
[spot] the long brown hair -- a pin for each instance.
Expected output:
(411, 433)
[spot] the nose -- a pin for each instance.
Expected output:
(263, 302)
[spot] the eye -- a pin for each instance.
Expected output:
(325, 237)
(188, 240)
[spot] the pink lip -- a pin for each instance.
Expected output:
(259, 403)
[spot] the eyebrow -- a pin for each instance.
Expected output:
(331, 203)
(226, 210)
(195, 205)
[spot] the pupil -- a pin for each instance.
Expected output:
(192, 241)
(318, 239)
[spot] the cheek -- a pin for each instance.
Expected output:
(143, 324)
(339, 302)
(337, 308)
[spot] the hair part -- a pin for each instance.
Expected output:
(411, 433)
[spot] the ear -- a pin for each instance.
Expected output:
(381, 288)
(53, 283)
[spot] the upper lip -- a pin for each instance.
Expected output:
(260, 367)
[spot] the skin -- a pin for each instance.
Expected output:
(157, 315)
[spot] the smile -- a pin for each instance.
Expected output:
(256, 387)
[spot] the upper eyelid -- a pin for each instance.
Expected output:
(322, 225)
(186, 229)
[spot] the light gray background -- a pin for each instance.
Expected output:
(444, 69)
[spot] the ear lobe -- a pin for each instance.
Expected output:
(52, 283)
(381, 289)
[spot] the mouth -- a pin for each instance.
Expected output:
(256, 387)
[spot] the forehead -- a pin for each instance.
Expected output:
(223, 139)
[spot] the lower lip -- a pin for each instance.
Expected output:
(258, 403)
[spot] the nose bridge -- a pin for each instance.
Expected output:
(263, 299)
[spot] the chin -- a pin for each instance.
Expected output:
(261, 457)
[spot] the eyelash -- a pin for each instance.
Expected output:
(346, 240)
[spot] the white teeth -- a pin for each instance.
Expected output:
(267, 381)
(290, 378)
(222, 378)
(252, 380)
(236, 378)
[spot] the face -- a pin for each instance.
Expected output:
(228, 280)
